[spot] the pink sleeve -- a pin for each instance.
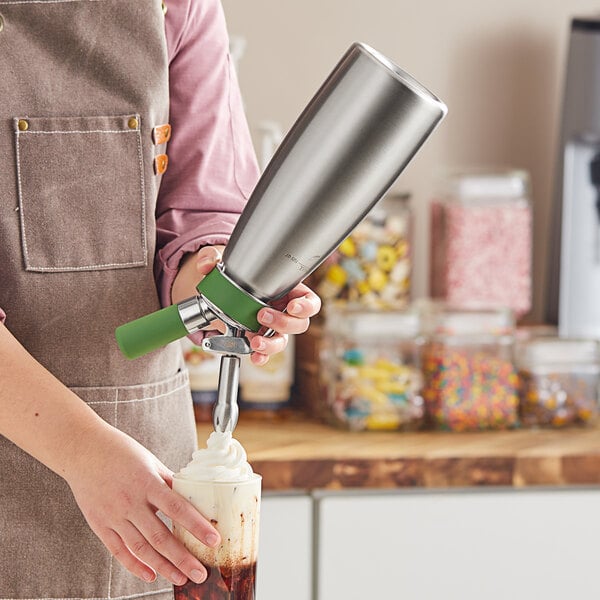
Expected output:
(212, 165)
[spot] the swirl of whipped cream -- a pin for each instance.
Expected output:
(223, 459)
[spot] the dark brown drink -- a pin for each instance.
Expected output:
(223, 583)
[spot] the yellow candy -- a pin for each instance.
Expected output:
(377, 280)
(382, 421)
(370, 372)
(375, 397)
(363, 287)
(391, 387)
(336, 275)
(348, 247)
(386, 258)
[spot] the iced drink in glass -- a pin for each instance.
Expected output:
(220, 483)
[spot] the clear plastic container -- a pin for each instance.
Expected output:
(559, 380)
(372, 266)
(470, 379)
(203, 368)
(369, 369)
(265, 391)
(481, 240)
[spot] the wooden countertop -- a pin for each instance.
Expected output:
(298, 454)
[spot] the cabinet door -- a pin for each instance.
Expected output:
(285, 548)
(513, 545)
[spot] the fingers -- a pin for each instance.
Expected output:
(263, 347)
(145, 546)
(179, 510)
(283, 322)
(116, 546)
(303, 302)
(152, 541)
(207, 258)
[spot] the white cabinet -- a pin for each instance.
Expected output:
(470, 545)
(285, 548)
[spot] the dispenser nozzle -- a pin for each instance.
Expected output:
(232, 345)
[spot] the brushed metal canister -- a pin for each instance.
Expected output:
(344, 152)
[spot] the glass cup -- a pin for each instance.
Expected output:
(233, 507)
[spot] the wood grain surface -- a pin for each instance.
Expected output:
(298, 454)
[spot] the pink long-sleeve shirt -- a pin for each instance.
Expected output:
(212, 164)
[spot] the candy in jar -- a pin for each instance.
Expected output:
(559, 381)
(372, 267)
(470, 378)
(481, 241)
(370, 370)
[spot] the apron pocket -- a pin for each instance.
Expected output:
(81, 192)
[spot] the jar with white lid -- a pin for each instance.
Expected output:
(482, 240)
(470, 378)
(559, 380)
(369, 369)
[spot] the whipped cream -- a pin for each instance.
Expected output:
(223, 459)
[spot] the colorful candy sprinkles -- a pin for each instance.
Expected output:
(469, 389)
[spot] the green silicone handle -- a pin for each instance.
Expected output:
(150, 332)
(232, 300)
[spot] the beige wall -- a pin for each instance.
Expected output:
(497, 65)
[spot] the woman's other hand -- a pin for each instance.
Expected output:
(290, 315)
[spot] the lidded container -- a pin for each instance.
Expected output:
(470, 378)
(203, 369)
(559, 380)
(372, 266)
(369, 369)
(481, 240)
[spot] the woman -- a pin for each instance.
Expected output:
(94, 232)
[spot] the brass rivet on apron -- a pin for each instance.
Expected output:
(132, 123)
(164, 7)
(23, 125)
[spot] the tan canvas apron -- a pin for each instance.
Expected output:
(83, 84)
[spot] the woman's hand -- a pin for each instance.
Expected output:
(119, 487)
(290, 315)
(300, 304)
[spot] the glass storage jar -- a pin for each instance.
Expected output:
(470, 377)
(481, 240)
(559, 381)
(369, 369)
(372, 266)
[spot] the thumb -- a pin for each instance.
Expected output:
(207, 258)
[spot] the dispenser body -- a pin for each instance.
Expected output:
(346, 149)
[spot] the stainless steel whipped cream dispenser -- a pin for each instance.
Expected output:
(344, 152)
